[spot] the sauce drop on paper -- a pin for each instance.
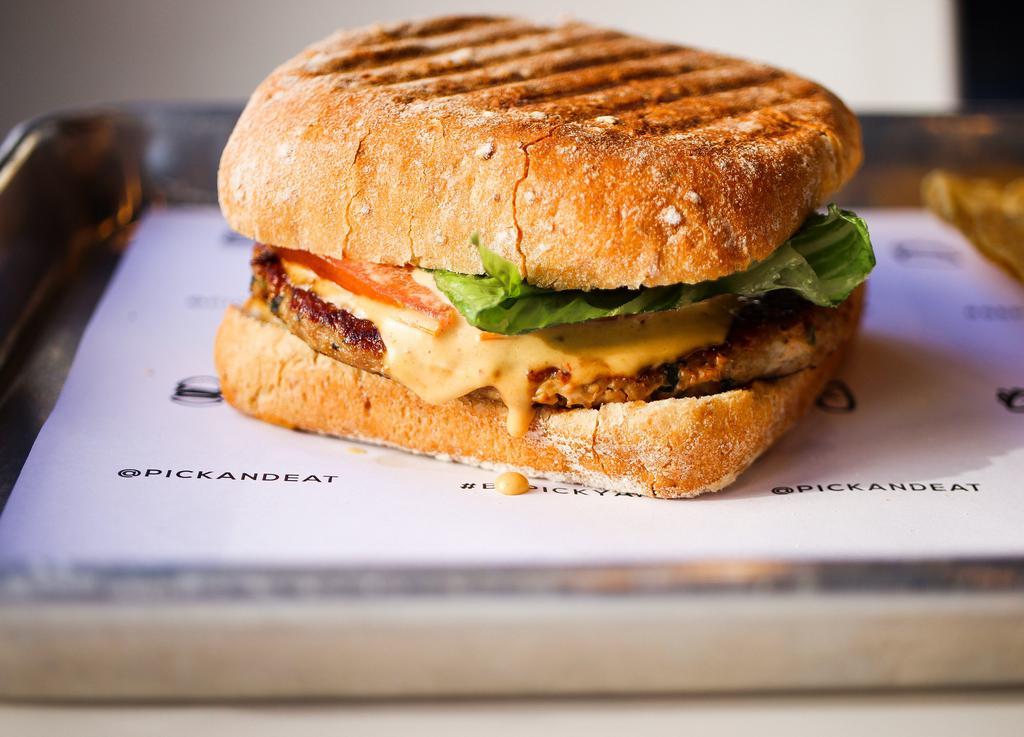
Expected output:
(511, 483)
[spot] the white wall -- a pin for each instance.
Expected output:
(876, 54)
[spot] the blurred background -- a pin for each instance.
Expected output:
(878, 55)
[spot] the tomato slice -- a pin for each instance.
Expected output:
(393, 285)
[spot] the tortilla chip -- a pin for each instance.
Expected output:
(989, 213)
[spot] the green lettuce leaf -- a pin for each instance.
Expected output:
(823, 262)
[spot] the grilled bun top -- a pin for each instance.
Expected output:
(591, 158)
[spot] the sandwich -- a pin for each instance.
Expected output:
(560, 250)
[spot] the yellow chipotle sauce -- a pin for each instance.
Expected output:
(439, 366)
(512, 483)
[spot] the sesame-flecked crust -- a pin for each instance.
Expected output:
(591, 158)
(665, 448)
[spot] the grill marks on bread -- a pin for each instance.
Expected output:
(396, 47)
(558, 50)
(572, 72)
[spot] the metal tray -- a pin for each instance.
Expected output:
(71, 186)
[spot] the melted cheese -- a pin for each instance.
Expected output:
(442, 366)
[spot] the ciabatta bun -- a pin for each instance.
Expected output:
(590, 158)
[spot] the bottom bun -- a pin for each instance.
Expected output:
(667, 448)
